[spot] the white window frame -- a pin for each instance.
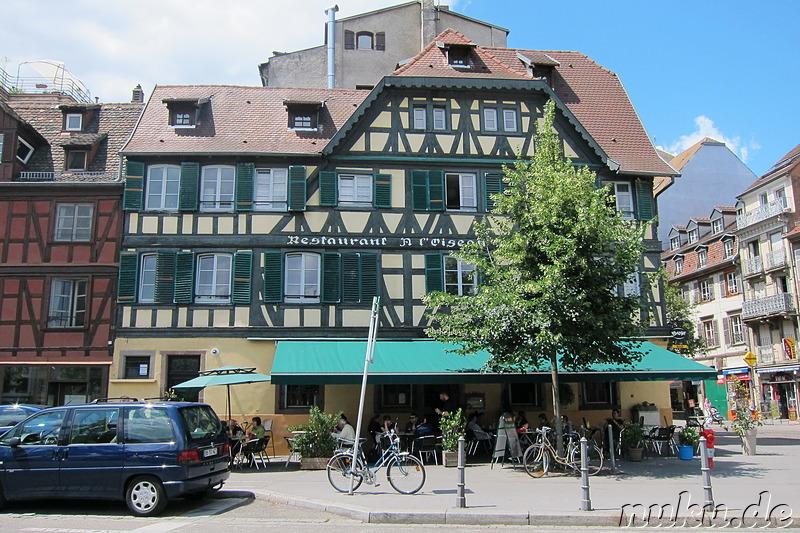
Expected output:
(732, 283)
(678, 265)
(727, 248)
(706, 290)
(490, 119)
(74, 168)
(367, 35)
(623, 199)
(302, 277)
(217, 188)
(510, 120)
(467, 191)
(694, 235)
(355, 189)
(214, 278)
(737, 329)
(710, 335)
(440, 118)
(147, 278)
(270, 189)
(780, 196)
(702, 258)
(420, 117)
(632, 287)
(68, 303)
(675, 243)
(74, 222)
(459, 277)
(72, 127)
(30, 148)
(162, 192)
(717, 226)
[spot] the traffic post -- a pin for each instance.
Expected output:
(708, 433)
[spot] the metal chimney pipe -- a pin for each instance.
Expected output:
(331, 12)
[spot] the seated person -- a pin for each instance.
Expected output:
(344, 431)
(617, 423)
(424, 428)
(374, 427)
(566, 425)
(543, 421)
(387, 425)
(477, 430)
(257, 431)
(411, 425)
(521, 423)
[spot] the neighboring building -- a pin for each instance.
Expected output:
(60, 207)
(702, 261)
(709, 173)
(767, 221)
(370, 45)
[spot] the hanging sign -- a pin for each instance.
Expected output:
(788, 348)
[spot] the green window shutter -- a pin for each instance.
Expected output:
(434, 272)
(493, 184)
(369, 277)
(351, 275)
(184, 277)
(382, 196)
(242, 273)
(273, 276)
(644, 200)
(328, 188)
(331, 277)
(419, 190)
(190, 186)
(134, 185)
(244, 186)
(165, 277)
(436, 190)
(128, 277)
(297, 188)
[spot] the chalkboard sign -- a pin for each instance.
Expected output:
(507, 440)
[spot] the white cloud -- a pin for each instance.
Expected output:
(705, 128)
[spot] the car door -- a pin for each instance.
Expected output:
(92, 457)
(31, 466)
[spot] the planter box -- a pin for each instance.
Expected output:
(449, 458)
(313, 463)
(635, 455)
(685, 453)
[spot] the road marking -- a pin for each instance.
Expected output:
(161, 527)
(217, 507)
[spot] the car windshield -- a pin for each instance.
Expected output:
(11, 415)
(201, 422)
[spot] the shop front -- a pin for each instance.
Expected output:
(779, 391)
(732, 377)
(52, 384)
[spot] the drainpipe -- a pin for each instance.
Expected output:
(331, 12)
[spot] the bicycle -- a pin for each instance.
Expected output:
(539, 455)
(406, 473)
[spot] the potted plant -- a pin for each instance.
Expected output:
(744, 423)
(687, 441)
(453, 427)
(633, 440)
(316, 443)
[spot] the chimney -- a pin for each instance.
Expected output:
(137, 96)
(331, 12)
(428, 23)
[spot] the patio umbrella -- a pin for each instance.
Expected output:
(226, 375)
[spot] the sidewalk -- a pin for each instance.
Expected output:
(504, 495)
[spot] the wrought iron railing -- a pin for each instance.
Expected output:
(766, 354)
(775, 259)
(771, 305)
(41, 85)
(774, 208)
(30, 175)
(752, 265)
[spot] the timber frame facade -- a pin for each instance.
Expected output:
(242, 232)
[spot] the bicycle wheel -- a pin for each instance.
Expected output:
(406, 474)
(536, 460)
(339, 472)
(595, 459)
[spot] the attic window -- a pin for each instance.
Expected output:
(458, 56)
(303, 116)
(184, 112)
(73, 122)
(24, 150)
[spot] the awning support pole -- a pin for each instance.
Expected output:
(373, 330)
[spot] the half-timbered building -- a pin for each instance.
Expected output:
(261, 222)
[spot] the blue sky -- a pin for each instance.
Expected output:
(692, 68)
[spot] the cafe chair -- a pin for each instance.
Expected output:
(292, 453)
(268, 433)
(261, 449)
(425, 446)
(248, 453)
(661, 439)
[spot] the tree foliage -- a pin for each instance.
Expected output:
(679, 313)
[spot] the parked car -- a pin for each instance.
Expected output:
(11, 415)
(142, 453)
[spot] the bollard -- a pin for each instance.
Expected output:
(586, 501)
(461, 500)
(708, 495)
(612, 449)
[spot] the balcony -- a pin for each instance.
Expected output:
(774, 208)
(778, 304)
(775, 259)
(766, 354)
(65, 176)
(752, 266)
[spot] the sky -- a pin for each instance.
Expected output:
(693, 69)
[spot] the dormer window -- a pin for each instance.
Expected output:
(674, 243)
(716, 226)
(694, 235)
(678, 265)
(73, 122)
(24, 150)
(76, 160)
(702, 257)
(184, 112)
(458, 56)
(303, 116)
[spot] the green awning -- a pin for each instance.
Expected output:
(321, 362)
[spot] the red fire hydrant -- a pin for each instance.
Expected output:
(710, 438)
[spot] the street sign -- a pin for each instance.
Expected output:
(681, 346)
(750, 359)
(678, 333)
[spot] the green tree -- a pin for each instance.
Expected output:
(551, 261)
(679, 313)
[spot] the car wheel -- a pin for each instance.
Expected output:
(145, 496)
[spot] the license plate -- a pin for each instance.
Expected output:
(210, 452)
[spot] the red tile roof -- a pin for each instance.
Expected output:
(785, 165)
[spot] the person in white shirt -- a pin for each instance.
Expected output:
(345, 431)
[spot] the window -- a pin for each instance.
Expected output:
(303, 116)
(702, 258)
(163, 187)
(439, 118)
(525, 393)
(97, 425)
(74, 222)
(213, 278)
(460, 192)
(355, 189)
(632, 286)
(183, 119)
(301, 121)
(147, 279)
(597, 395)
(76, 160)
(420, 116)
(459, 277)
(2, 138)
(737, 329)
(693, 235)
(148, 425)
(716, 226)
(490, 119)
(41, 430)
(364, 40)
(762, 199)
(458, 56)
(217, 188)
(675, 243)
(300, 397)
(623, 197)
(24, 150)
(728, 248)
(732, 282)
(302, 277)
(780, 197)
(396, 396)
(73, 122)
(678, 265)
(67, 304)
(137, 367)
(510, 119)
(706, 290)
(271, 189)
(183, 114)
(709, 329)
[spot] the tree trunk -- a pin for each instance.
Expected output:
(556, 404)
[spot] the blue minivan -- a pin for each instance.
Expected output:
(143, 453)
